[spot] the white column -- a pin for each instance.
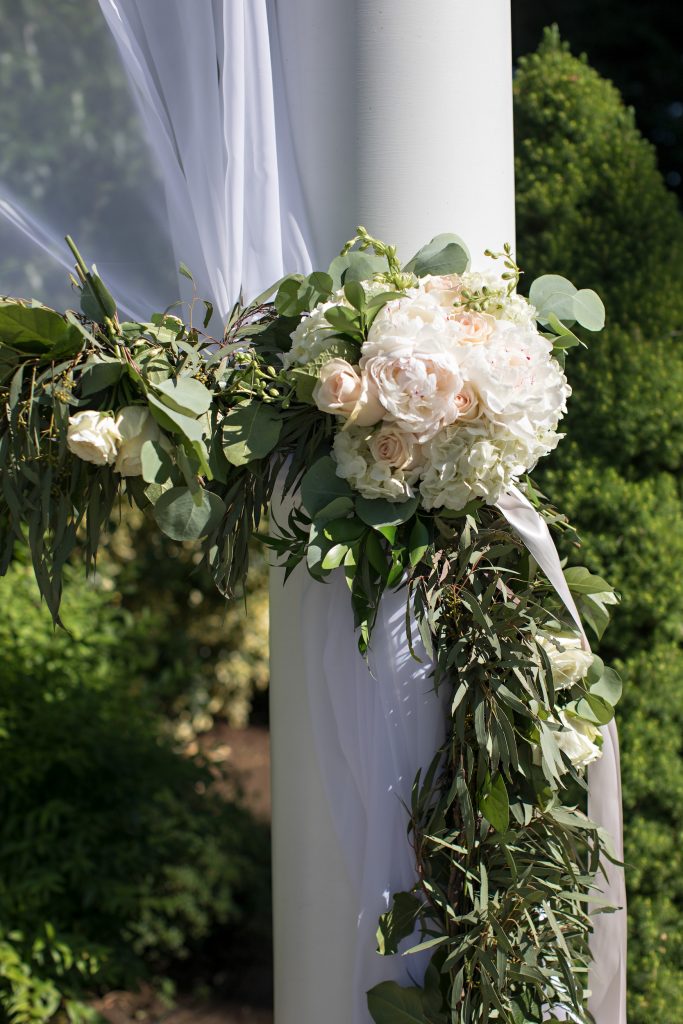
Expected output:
(402, 121)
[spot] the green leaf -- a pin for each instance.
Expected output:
(608, 686)
(397, 923)
(494, 803)
(287, 301)
(345, 320)
(418, 542)
(355, 294)
(99, 375)
(335, 556)
(337, 508)
(589, 310)
(355, 266)
(157, 464)
(344, 531)
(186, 395)
(36, 330)
(97, 302)
(552, 293)
(182, 515)
(445, 254)
(320, 485)
(581, 581)
(594, 709)
(251, 431)
(378, 512)
(388, 1003)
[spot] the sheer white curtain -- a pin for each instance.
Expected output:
(202, 76)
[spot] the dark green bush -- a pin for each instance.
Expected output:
(114, 848)
(592, 206)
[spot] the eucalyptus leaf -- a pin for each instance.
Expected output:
(185, 395)
(355, 266)
(378, 512)
(494, 803)
(182, 515)
(321, 485)
(445, 254)
(250, 431)
(157, 464)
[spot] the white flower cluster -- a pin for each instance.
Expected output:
(455, 379)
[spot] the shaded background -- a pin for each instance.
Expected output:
(133, 755)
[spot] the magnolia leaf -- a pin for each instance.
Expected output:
(445, 254)
(250, 431)
(494, 803)
(335, 556)
(186, 395)
(397, 923)
(581, 581)
(418, 542)
(182, 515)
(388, 1003)
(37, 330)
(320, 485)
(378, 512)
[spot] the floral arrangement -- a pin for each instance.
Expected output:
(399, 404)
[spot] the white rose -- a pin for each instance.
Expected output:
(569, 661)
(343, 391)
(578, 739)
(136, 425)
(418, 390)
(93, 437)
(467, 403)
(369, 476)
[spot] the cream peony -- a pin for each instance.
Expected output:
(343, 391)
(93, 436)
(418, 390)
(569, 661)
(136, 425)
(387, 470)
(579, 740)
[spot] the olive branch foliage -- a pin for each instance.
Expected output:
(507, 862)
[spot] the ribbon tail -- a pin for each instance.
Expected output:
(607, 976)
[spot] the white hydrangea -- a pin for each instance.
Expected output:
(312, 335)
(361, 457)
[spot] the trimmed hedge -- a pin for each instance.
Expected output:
(592, 206)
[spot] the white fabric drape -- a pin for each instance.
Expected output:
(203, 79)
(375, 724)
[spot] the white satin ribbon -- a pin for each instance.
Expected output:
(607, 976)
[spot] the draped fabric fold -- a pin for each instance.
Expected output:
(203, 79)
(375, 723)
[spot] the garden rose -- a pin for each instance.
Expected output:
(393, 446)
(369, 476)
(136, 425)
(569, 661)
(578, 740)
(93, 436)
(474, 327)
(343, 391)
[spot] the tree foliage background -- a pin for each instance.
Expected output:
(158, 657)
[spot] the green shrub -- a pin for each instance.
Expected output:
(592, 205)
(112, 845)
